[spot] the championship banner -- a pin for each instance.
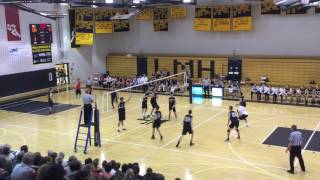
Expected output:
(202, 24)
(178, 12)
(203, 21)
(221, 21)
(317, 10)
(102, 21)
(268, 7)
(297, 10)
(12, 23)
(120, 25)
(41, 53)
(160, 19)
(84, 26)
(242, 19)
(72, 28)
(144, 15)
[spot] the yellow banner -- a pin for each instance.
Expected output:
(84, 38)
(178, 12)
(144, 15)
(104, 27)
(242, 24)
(221, 25)
(202, 24)
(160, 25)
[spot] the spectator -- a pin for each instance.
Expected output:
(107, 172)
(4, 174)
(74, 168)
(23, 171)
(6, 152)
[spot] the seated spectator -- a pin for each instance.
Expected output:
(74, 168)
(23, 171)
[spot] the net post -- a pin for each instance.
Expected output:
(190, 90)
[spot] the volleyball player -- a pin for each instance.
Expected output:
(233, 122)
(50, 100)
(122, 113)
(144, 106)
(114, 97)
(172, 105)
(156, 122)
(187, 128)
(153, 102)
(242, 100)
(78, 88)
(243, 114)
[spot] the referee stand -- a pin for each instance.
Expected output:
(84, 131)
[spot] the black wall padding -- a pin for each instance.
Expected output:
(27, 81)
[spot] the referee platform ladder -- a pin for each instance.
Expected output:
(83, 136)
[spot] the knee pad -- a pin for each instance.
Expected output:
(228, 130)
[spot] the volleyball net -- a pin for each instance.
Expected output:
(172, 84)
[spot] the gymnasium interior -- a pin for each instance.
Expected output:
(261, 55)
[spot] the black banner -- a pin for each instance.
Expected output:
(121, 25)
(41, 53)
(317, 10)
(268, 7)
(203, 12)
(72, 28)
(160, 19)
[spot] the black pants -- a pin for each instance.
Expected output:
(274, 98)
(258, 96)
(296, 152)
(206, 91)
(252, 95)
(87, 113)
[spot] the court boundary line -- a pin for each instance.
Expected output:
(266, 137)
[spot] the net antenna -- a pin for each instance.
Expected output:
(106, 96)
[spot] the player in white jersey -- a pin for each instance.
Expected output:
(243, 114)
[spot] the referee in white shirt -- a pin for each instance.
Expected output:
(87, 107)
(294, 146)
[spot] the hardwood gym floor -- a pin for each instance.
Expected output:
(210, 158)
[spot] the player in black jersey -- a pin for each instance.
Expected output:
(122, 113)
(144, 106)
(187, 128)
(153, 102)
(156, 122)
(242, 100)
(172, 106)
(233, 118)
(114, 97)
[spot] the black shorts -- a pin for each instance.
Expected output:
(154, 106)
(186, 130)
(50, 103)
(172, 108)
(243, 117)
(122, 116)
(234, 125)
(78, 91)
(156, 123)
(144, 106)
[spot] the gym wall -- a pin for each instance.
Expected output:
(280, 71)
(18, 74)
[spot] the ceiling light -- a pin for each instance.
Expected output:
(109, 1)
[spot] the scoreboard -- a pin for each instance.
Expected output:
(40, 33)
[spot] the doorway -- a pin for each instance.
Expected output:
(62, 73)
